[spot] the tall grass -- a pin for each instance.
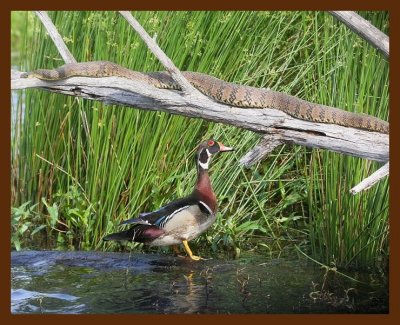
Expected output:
(88, 166)
(345, 229)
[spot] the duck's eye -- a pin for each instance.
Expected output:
(211, 143)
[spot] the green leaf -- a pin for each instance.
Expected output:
(17, 244)
(23, 228)
(247, 226)
(53, 212)
(37, 229)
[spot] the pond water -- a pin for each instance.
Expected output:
(93, 282)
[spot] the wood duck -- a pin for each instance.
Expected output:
(183, 219)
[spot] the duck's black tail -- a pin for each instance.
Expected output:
(123, 235)
(138, 233)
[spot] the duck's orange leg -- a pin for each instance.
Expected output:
(189, 251)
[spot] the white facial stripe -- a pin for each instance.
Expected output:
(206, 206)
(203, 165)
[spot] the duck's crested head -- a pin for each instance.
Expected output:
(207, 149)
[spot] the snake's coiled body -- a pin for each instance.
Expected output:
(223, 92)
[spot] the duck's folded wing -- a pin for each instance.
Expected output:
(156, 217)
(137, 221)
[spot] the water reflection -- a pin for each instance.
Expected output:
(121, 283)
(32, 302)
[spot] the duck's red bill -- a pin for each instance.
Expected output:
(223, 148)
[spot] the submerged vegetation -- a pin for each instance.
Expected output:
(80, 167)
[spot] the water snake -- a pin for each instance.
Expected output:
(223, 92)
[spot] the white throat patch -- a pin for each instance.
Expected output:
(205, 165)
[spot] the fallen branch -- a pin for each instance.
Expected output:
(371, 180)
(120, 91)
(267, 144)
(365, 29)
(55, 36)
(185, 85)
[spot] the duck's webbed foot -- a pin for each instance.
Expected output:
(189, 252)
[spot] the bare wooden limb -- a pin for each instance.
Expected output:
(365, 29)
(267, 144)
(120, 91)
(164, 59)
(55, 36)
(15, 75)
(371, 180)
